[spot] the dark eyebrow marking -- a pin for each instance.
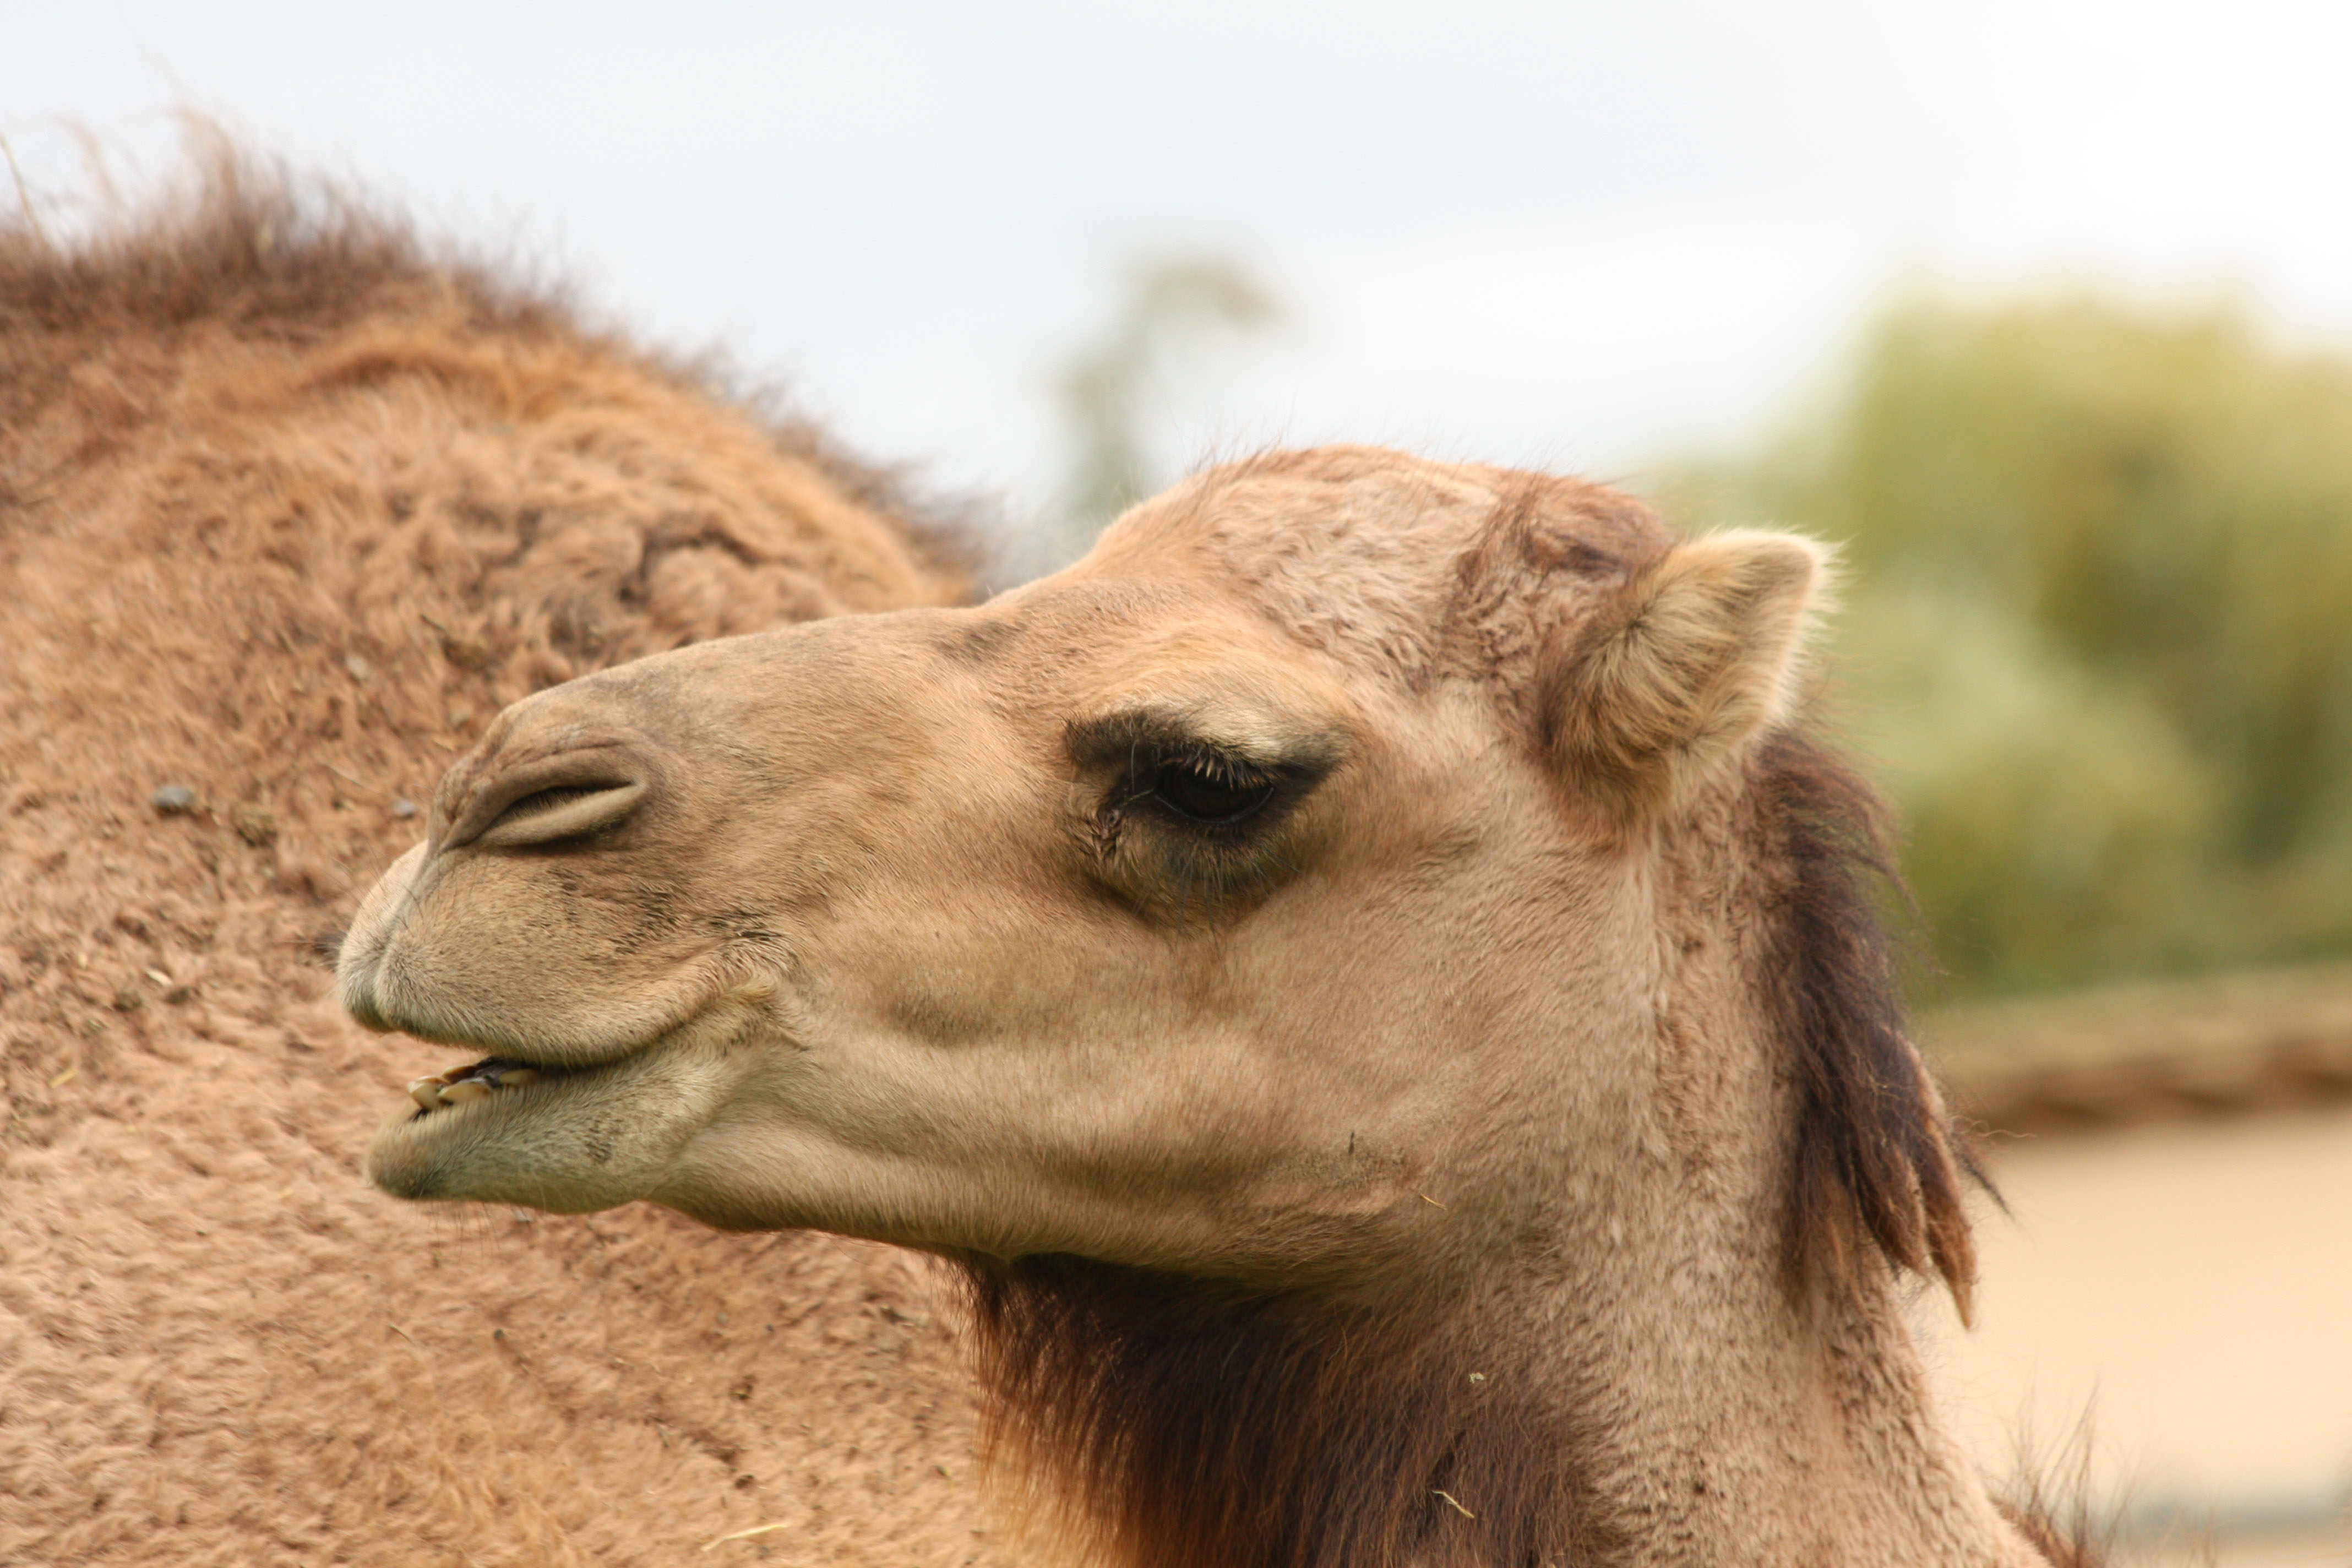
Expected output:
(1128, 739)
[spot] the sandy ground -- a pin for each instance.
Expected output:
(2181, 1293)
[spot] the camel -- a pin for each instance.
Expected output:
(292, 505)
(1365, 978)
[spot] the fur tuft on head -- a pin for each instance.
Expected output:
(1699, 651)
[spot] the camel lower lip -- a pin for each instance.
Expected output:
(501, 1099)
(567, 1140)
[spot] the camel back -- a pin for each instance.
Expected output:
(289, 509)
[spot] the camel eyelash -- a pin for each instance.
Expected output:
(1209, 806)
(1200, 788)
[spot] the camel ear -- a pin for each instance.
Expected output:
(1699, 651)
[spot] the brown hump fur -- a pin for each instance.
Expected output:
(242, 250)
(288, 509)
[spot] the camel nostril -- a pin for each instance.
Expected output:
(563, 811)
(512, 801)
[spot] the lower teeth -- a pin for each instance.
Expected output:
(476, 1083)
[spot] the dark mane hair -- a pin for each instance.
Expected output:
(1183, 1422)
(1877, 1160)
(240, 242)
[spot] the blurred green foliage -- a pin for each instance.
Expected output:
(2097, 639)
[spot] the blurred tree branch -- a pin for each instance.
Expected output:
(1177, 312)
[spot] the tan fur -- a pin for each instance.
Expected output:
(1501, 1148)
(288, 513)
(1698, 656)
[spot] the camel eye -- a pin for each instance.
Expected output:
(1198, 794)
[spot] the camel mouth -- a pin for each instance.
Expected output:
(567, 1139)
(491, 1074)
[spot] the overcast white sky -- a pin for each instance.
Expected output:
(1568, 234)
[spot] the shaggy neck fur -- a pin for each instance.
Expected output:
(1175, 1423)
(1162, 1422)
(1699, 1359)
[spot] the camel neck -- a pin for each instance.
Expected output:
(1176, 1423)
(1716, 1422)
(1573, 1421)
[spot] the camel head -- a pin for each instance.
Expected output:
(1359, 972)
(1280, 890)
